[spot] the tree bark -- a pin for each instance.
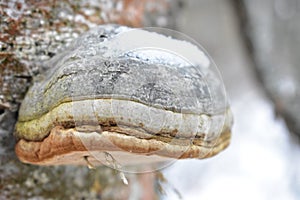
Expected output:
(31, 33)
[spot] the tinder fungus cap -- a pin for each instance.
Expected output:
(139, 95)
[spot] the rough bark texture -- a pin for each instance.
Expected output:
(30, 33)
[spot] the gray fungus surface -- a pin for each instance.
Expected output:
(83, 71)
(148, 94)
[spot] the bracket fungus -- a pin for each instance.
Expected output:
(131, 93)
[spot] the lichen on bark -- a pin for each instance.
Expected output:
(31, 32)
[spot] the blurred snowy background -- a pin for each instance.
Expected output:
(256, 46)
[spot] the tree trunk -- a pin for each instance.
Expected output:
(30, 33)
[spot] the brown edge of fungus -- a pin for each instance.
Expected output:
(65, 146)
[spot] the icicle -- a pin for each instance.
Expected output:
(112, 162)
(89, 164)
